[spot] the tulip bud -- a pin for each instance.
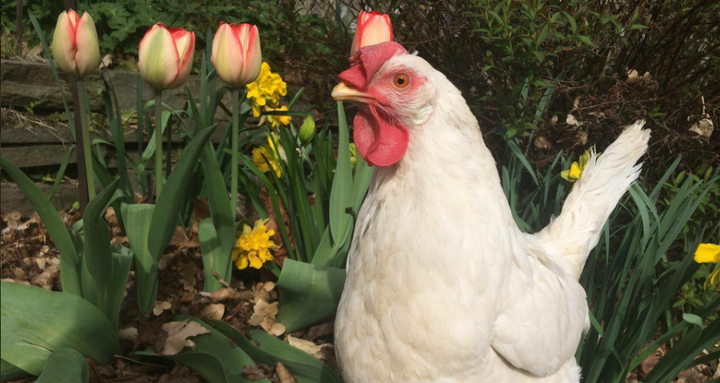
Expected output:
(372, 28)
(307, 130)
(75, 44)
(236, 54)
(165, 56)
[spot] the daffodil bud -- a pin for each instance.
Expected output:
(165, 56)
(307, 130)
(353, 155)
(372, 28)
(75, 44)
(236, 54)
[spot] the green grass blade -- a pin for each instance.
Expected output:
(61, 172)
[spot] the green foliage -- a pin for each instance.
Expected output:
(36, 322)
(65, 365)
(635, 275)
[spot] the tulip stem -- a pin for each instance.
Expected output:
(158, 144)
(87, 148)
(234, 148)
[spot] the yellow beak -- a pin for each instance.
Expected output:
(343, 92)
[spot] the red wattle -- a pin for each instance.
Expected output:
(379, 141)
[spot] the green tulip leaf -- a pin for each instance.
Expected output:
(217, 263)
(138, 218)
(36, 322)
(10, 372)
(341, 193)
(267, 349)
(65, 365)
(308, 293)
(98, 252)
(169, 202)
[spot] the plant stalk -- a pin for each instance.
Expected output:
(234, 147)
(158, 144)
(87, 147)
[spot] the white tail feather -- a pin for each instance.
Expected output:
(576, 231)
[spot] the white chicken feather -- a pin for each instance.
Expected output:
(442, 286)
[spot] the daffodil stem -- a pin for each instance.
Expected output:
(87, 148)
(234, 150)
(158, 144)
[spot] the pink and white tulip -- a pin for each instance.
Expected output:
(372, 28)
(236, 54)
(165, 56)
(75, 44)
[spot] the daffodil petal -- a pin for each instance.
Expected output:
(707, 253)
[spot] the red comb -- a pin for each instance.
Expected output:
(367, 61)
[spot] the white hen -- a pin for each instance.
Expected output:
(442, 286)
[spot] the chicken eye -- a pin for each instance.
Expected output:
(401, 80)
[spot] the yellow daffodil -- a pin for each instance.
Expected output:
(266, 90)
(262, 155)
(707, 253)
(253, 247)
(276, 120)
(573, 174)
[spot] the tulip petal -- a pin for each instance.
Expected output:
(185, 44)
(158, 57)
(87, 58)
(63, 45)
(250, 40)
(227, 55)
(372, 28)
(376, 30)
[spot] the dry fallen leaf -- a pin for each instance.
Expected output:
(161, 306)
(227, 293)
(703, 127)
(572, 121)
(276, 329)
(128, 334)
(541, 143)
(47, 278)
(179, 334)
(212, 311)
(284, 375)
(324, 352)
(262, 310)
(252, 373)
